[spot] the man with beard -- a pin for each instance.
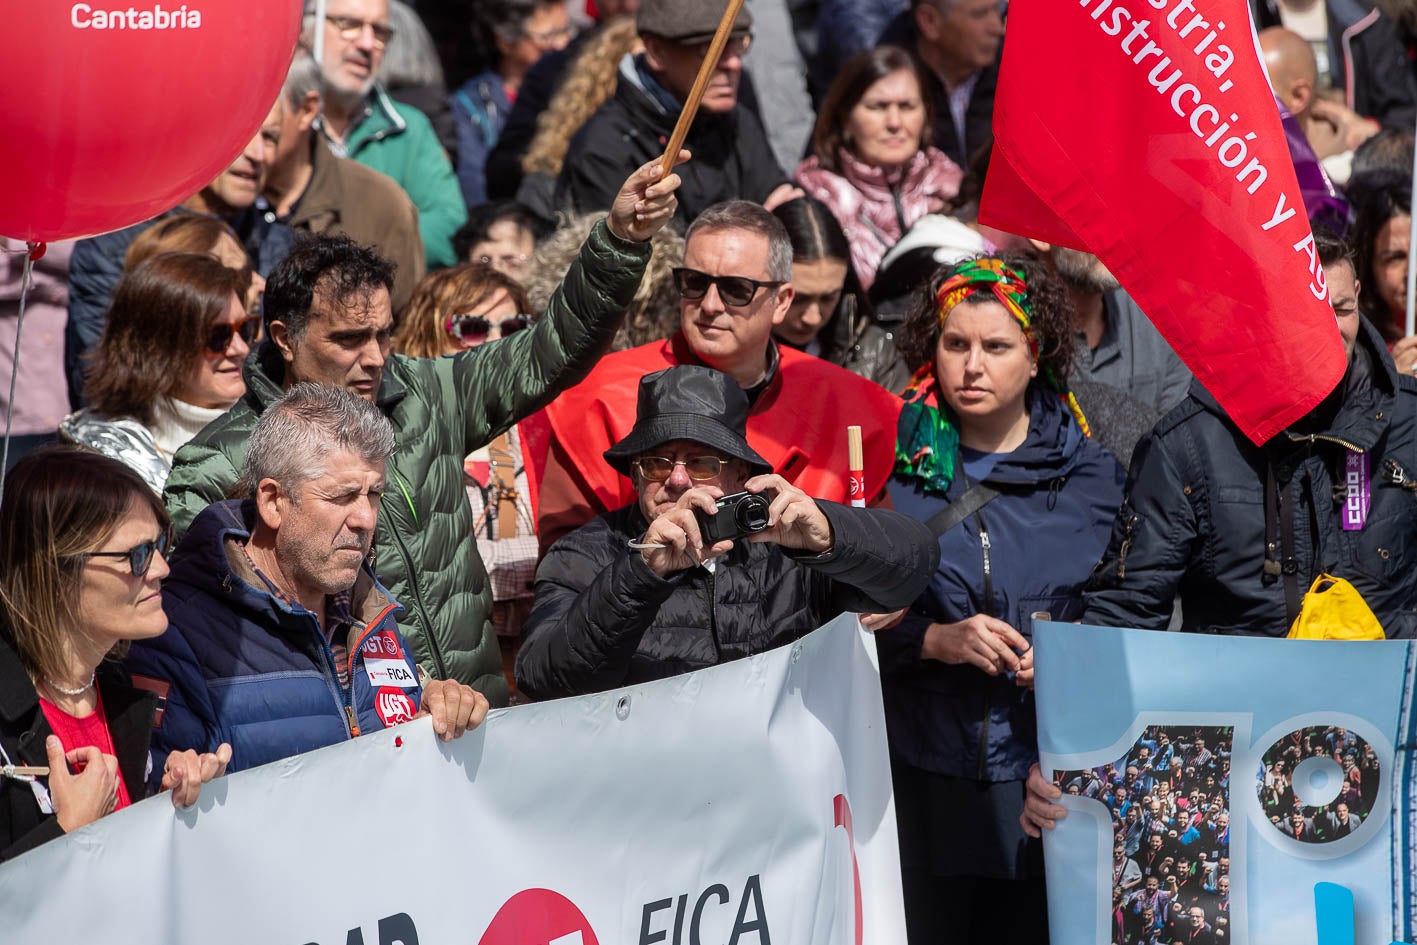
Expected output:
(362, 122)
(1117, 343)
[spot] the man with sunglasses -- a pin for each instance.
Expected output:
(734, 287)
(330, 322)
(732, 156)
(362, 122)
(640, 593)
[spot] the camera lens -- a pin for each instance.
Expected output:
(752, 514)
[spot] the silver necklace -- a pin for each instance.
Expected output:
(66, 691)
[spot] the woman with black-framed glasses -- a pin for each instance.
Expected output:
(169, 362)
(82, 557)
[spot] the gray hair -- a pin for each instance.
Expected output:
(298, 432)
(302, 78)
(746, 215)
(410, 59)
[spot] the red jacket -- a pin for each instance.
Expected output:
(798, 423)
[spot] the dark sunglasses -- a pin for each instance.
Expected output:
(734, 290)
(220, 338)
(470, 328)
(140, 558)
(660, 468)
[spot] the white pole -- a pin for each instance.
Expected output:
(1412, 256)
(318, 48)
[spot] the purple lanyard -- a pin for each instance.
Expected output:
(1358, 491)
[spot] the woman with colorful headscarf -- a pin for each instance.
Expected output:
(995, 453)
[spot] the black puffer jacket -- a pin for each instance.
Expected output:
(732, 157)
(1193, 521)
(603, 619)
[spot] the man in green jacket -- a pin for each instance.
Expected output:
(362, 122)
(329, 321)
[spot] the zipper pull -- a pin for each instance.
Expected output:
(353, 722)
(1395, 474)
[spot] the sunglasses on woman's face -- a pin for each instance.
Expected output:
(733, 290)
(474, 329)
(140, 557)
(220, 338)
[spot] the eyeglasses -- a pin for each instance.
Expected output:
(140, 557)
(220, 338)
(660, 468)
(736, 46)
(470, 329)
(351, 27)
(547, 37)
(734, 290)
(516, 261)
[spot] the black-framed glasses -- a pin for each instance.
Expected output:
(350, 27)
(474, 329)
(220, 338)
(734, 290)
(660, 468)
(140, 557)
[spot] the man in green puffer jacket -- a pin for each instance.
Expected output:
(329, 321)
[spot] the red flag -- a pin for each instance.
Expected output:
(1144, 131)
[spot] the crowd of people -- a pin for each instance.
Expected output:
(1169, 803)
(449, 394)
(1333, 810)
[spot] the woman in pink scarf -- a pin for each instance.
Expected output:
(872, 165)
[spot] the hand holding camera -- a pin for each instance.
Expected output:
(705, 523)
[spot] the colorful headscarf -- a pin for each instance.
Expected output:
(927, 442)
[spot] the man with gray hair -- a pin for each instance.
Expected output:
(329, 320)
(313, 191)
(734, 286)
(280, 639)
(360, 121)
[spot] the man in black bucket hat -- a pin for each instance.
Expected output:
(717, 559)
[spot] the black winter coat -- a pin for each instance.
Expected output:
(603, 619)
(23, 729)
(732, 157)
(1193, 521)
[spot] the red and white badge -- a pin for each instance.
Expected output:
(384, 661)
(393, 706)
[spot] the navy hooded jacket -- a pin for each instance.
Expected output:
(1059, 491)
(238, 664)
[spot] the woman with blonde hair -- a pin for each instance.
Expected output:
(589, 81)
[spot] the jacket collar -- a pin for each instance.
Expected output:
(264, 373)
(1050, 450)
(17, 694)
(761, 394)
(210, 559)
(1357, 412)
(322, 193)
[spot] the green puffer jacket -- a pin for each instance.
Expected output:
(441, 409)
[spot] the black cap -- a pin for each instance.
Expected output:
(688, 21)
(688, 403)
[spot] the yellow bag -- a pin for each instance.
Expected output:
(1334, 610)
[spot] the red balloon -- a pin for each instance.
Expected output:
(116, 110)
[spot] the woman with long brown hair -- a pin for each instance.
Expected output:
(169, 361)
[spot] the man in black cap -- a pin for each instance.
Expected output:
(732, 159)
(646, 591)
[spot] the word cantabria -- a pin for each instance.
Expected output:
(82, 16)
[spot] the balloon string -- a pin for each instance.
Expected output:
(25, 273)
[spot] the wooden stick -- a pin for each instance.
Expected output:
(856, 479)
(41, 771)
(696, 94)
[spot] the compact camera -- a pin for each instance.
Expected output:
(736, 515)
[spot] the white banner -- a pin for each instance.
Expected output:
(716, 808)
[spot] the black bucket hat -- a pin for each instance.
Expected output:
(688, 403)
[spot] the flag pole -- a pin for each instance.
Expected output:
(696, 94)
(1412, 256)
